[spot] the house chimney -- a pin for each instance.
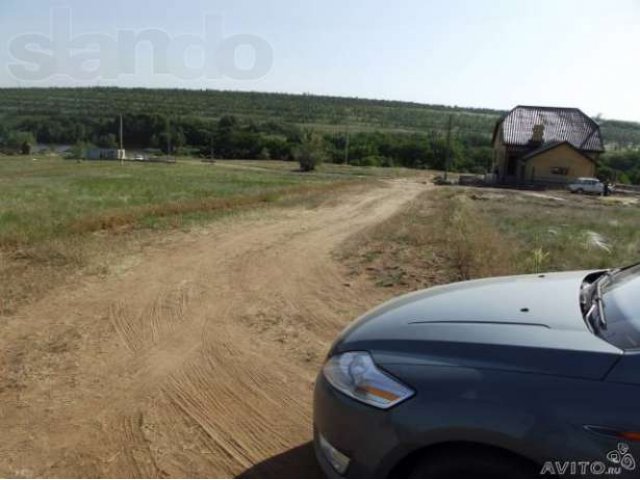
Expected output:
(538, 133)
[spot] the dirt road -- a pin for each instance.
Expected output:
(196, 357)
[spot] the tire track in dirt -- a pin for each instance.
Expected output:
(199, 360)
(158, 320)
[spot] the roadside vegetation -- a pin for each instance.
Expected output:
(452, 234)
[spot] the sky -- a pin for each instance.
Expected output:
(482, 53)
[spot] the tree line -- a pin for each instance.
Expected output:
(620, 166)
(383, 115)
(232, 138)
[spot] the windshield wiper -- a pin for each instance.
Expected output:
(597, 302)
(597, 305)
(609, 274)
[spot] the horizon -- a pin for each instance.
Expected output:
(450, 54)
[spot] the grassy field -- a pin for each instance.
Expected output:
(58, 216)
(563, 231)
(48, 198)
(455, 233)
(43, 198)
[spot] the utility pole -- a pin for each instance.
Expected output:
(307, 118)
(168, 139)
(448, 157)
(121, 143)
(346, 148)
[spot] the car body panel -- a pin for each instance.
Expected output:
(529, 323)
(471, 405)
(505, 362)
(627, 369)
(552, 300)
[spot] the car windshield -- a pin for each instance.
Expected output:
(621, 303)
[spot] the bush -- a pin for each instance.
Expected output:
(264, 154)
(368, 161)
(19, 142)
(310, 153)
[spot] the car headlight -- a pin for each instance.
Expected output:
(355, 375)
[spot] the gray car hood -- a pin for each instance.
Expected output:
(529, 323)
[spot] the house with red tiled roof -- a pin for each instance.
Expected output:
(545, 145)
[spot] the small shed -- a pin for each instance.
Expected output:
(106, 154)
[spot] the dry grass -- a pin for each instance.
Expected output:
(562, 231)
(451, 234)
(437, 238)
(132, 217)
(30, 271)
(471, 244)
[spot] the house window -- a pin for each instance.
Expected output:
(560, 171)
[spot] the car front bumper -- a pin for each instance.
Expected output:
(363, 434)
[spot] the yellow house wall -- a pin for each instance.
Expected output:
(499, 154)
(539, 167)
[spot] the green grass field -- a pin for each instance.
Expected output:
(43, 198)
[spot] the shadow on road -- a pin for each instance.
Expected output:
(299, 462)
